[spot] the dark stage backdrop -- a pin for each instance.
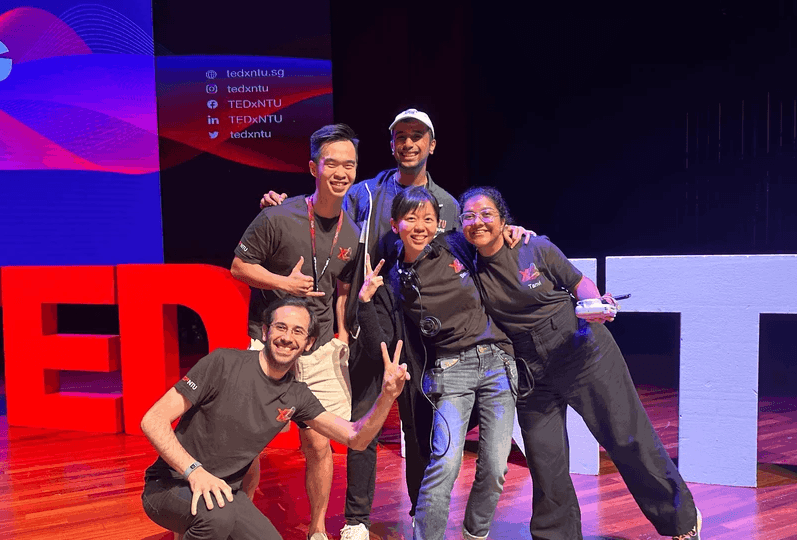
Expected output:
(665, 128)
(673, 124)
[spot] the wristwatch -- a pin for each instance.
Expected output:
(191, 468)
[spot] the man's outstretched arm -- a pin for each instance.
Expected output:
(359, 434)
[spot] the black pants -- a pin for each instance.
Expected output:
(168, 503)
(579, 364)
(416, 415)
(360, 473)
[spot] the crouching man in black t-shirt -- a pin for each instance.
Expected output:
(231, 404)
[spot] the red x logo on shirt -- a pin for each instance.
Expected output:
(457, 266)
(345, 254)
(285, 414)
(529, 273)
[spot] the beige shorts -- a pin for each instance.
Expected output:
(325, 371)
(256, 344)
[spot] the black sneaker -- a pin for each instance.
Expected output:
(694, 534)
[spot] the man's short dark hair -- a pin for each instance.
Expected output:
(329, 134)
(293, 301)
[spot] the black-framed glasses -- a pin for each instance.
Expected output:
(487, 216)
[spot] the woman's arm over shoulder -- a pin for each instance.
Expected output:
(455, 243)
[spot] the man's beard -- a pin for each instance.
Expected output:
(280, 364)
(411, 169)
(414, 169)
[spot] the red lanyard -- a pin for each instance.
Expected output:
(311, 217)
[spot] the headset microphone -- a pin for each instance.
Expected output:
(408, 276)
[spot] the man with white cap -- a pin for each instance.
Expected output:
(369, 203)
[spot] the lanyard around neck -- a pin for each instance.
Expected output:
(311, 217)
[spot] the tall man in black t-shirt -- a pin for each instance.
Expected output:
(305, 247)
(412, 142)
(231, 404)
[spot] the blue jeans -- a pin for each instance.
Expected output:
(488, 373)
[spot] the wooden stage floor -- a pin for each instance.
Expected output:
(80, 486)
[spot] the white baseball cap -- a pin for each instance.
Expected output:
(413, 114)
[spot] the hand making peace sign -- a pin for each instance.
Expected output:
(372, 279)
(395, 373)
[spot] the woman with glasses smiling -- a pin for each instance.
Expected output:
(568, 361)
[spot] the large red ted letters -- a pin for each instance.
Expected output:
(146, 349)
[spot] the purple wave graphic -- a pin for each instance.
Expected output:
(107, 142)
(66, 107)
(106, 30)
(31, 34)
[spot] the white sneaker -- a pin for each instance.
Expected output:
(354, 532)
(467, 536)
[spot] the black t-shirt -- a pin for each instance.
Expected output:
(276, 239)
(526, 285)
(448, 293)
(236, 412)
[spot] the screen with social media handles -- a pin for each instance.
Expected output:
(107, 108)
(257, 111)
(241, 87)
